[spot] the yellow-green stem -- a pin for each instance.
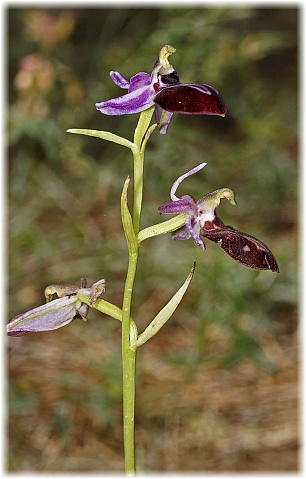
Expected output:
(128, 353)
(128, 371)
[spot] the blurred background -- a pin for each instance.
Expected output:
(217, 387)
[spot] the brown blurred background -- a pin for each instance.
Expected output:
(217, 387)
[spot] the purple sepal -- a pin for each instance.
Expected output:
(194, 230)
(163, 128)
(120, 80)
(49, 316)
(181, 234)
(163, 119)
(177, 182)
(133, 102)
(183, 205)
(185, 233)
(140, 80)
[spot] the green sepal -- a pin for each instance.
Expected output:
(212, 200)
(162, 317)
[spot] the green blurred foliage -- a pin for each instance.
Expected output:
(64, 223)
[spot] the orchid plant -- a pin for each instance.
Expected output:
(161, 94)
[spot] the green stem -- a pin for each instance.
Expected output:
(128, 371)
(131, 228)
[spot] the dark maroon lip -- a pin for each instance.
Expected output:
(191, 99)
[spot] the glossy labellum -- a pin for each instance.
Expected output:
(243, 248)
(191, 99)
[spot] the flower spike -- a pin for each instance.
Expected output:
(202, 220)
